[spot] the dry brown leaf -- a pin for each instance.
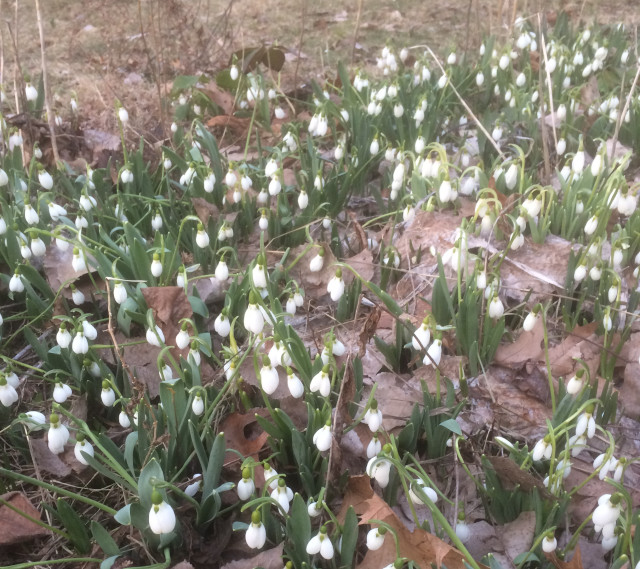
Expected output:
(517, 536)
(269, 559)
(581, 343)
(368, 330)
(526, 348)
(224, 99)
(205, 210)
(243, 434)
(15, 528)
(420, 546)
(362, 263)
(47, 461)
(575, 563)
(512, 476)
(238, 125)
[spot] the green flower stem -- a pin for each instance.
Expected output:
(177, 245)
(389, 530)
(55, 489)
(34, 520)
(70, 560)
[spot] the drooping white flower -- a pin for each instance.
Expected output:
(8, 393)
(375, 538)
(107, 394)
(322, 438)
(222, 325)
(496, 308)
(542, 449)
(197, 405)
(586, 424)
(295, 385)
(156, 266)
(336, 286)
(119, 292)
(162, 518)
(321, 543)
(63, 337)
(253, 318)
(321, 382)
(269, 379)
(380, 469)
(89, 330)
(61, 392)
(373, 417)
(418, 485)
(434, 353)
(256, 535)
(80, 345)
(31, 215)
(155, 337)
(316, 264)
(259, 273)
(58, 434)
(77, 261)
(82, 446)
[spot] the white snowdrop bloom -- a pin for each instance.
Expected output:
(38, 247)
(418, 485)
(542, 449)
(421, 337)
(326, 222)
(182, 337)
(419, 145)
(577, 163)
(607, 322)
(209, 182)
(375, 538)
(561, 147)
(61, 392)
(580, 273)
(479, 79)
(496, 308)
(434, 353)
(126, 176)
(155, 337)
(530, 321)
(45, 179)
(597, 165)
(253, 318)
(336, 286)
(25, 251)
(4, 179)
(591, 225)
(497, 133)
(549, 544)
(222, 270)
(278, 354)
(374, 447)
(193, 488)
(398, 110)
(197, 405)
(194, 355)
(418, 116)
(107, 394)
(575, 383)
(89, 330)
(34, 419)
(119, 292)
(321, 543)
(269, 379)
(379, 469)
(63, 337)
(246, 487)
(561, 112)
(259, 274)
(202, 238)
(511, 177)
(82, 446)
(462, 531)
(8, 393)
(445, 192)
(322, 438)
(58, 435)
(551, 64)
(15, 140)
(608, 510)
(124, 420)
(442, 81)
(373, 417)
(291, 307)
(270, 476)
(294, 384)
(156, 266)
(123, 115)
(156, 222)
(162, 518)
(31, 215)
(503, 63)
(256, 535)
(321, 382)
(275, 186)
(586, 424)
(87, 203)
(374, 147)
(627, 204)
(31, 92)
(12, 379)
(517, 241)
(80, 345)
(222, 325)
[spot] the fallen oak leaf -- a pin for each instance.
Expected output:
(238, 429)
(15, 525)
(575, 563)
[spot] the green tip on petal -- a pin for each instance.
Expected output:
(156, 497)
(246, 473)
(53, 418)
(106, 384)
(256, 518)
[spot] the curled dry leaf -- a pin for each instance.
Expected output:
(243, 433)
(420, 546)
(15, 528)
(269, 559)
(525, 349)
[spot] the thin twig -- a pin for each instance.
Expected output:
(462, 101)
(303, 19)
(357, 30)
(45, 84)
(624, 112)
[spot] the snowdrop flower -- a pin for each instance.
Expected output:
(89, 330)
(373, 417)
(4, 179)
(336, 286)
(270, 476)
(496, 308)
(181, 278)
(580, 273)
(375, 538)
(577, 162)
(63, 337)
(577, 444)
(259, 273)
(549, 543)
(446, 192)
(542, 449)
(314, 509)
(421, 336)
(155, 337)
(256, 535)
(374, 147)
(58, 434)
(31, 215)
(80, 345)
(194, 354)
(530, 320)
(322, 437)
(61, 392)
(321, 382)
(586, 423)
(162, 518)
(607, 322)
(511, 177)
(123, 419)
(253, 318)
(608, 510)
(107, 395)
(479, 79)
(197, 405)
(82, 446)
(295, 385)
(31, 92)
(87, 203)
(126, 176)
(496, 133)
(291, 307)
(45, 179)
(462, 529)
(123, 115)
(374, 447)
(434, 353)
(222, 325)
(156, 222)
(193, 488)
(209, 182)
(77, 296)
(202, 238)
(119, 292)
(418, 485)
(316, 264)
(12, 379)
(278, 354)
(156, 266)
(269, 379)
(77, 261)
(275, 186)
(321, 543)
(574, 385)
(246, 486)
(8, 393)
(504, 61)
(379, 468)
